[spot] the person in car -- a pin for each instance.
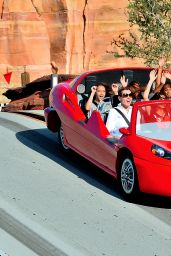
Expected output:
(96, 101)
(136, 90)
(120, 116)
(161, 82)
(159, 113)
(134, 86)
(167, 90)
(146, 94)
(115, 87)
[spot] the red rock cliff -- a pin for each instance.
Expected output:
(76, 34)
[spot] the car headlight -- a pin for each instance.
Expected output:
(161, 152)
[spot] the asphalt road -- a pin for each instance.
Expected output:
(53, 204)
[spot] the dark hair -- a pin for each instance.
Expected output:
(162, 92)
(168, 84)
(107, 88)
(132, 83)
(101, 83)
(123, 89)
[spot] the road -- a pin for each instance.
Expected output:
(53, 204)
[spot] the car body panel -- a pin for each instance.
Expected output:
(154, 178)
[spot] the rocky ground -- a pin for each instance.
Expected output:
(34, 95)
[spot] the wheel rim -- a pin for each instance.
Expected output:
(127, 176)
(62, 136)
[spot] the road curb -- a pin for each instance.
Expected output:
(30, 114)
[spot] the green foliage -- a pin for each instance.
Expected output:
(152, 21)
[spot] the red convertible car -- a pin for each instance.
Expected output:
(141, 159)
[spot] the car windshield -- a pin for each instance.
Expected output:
(154, 121)
(113, 76)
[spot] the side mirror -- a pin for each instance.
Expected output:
(81, 88)
(124, 131)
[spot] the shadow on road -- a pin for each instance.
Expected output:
(45, 142)
(155, 201)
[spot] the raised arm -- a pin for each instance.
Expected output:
(163, 81)
(153, 76)
(90, 99)
(124, 81)
(160, 70)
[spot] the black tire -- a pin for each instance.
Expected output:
(61, 140)
(128, 179)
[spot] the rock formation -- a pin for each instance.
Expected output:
(34, 95)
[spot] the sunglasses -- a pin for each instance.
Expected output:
(126, 95)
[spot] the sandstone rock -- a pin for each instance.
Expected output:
(76, 34)
(39, 100)
(34, 95)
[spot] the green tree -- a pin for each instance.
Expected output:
(151, 19)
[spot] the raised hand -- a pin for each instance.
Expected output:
(124, 81)
(162, 62)
(93, 89)
(167, 75)
(153, 75)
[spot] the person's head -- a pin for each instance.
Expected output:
(125, 97)
(167, 90)
(100, 92)
(135, 88)
(162, 94)
(115, 87)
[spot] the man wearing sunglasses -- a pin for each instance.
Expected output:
(120, 116)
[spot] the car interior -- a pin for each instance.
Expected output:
(109, 77)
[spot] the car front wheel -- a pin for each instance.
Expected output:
(61, 139)
(128, 179)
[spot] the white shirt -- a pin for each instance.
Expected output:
(116, 121)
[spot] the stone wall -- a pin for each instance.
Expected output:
(76, 34)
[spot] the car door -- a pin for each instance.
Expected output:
(88, 138)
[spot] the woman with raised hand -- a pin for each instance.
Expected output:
(96, 100)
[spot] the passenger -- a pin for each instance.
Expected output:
(135, 88)
(96, 101)
(115, 88)
(161, 81)
(167, 90)
(158, 113)
(146, 94)
(120, 116)
(164, 90)
(155, 94)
